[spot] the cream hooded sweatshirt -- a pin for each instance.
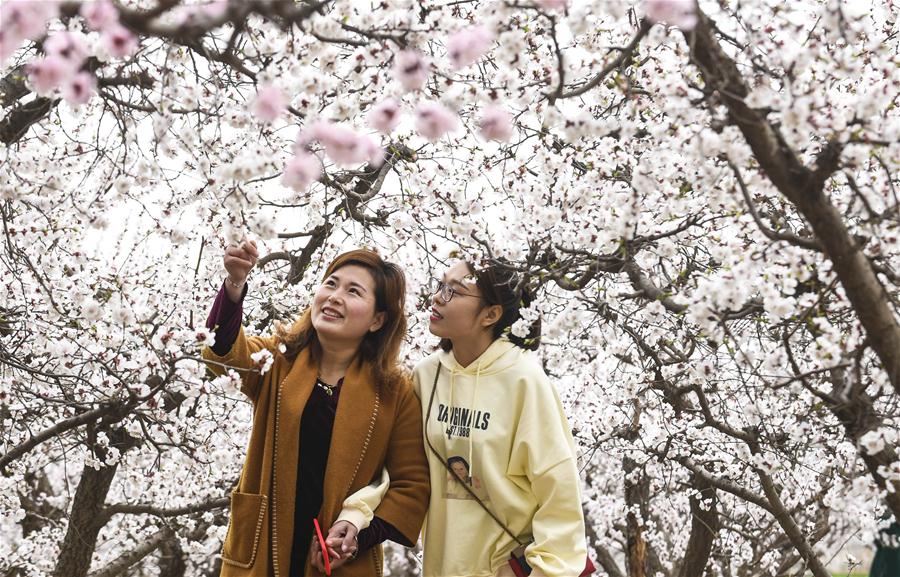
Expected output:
(501, 425)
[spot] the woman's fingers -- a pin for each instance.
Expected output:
(348, 544)
(336, 548)
(316, 554)
(342, 538)
(237, 263)
(249, 247)
(243, 255)
(335, 533)
(318, 563)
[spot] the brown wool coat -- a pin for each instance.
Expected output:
(373, 428)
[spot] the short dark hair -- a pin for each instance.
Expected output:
(502, 285)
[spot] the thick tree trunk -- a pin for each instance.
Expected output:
(87, 515)
(16, 123)
(705, 525)
(636, 493)
(85, 521)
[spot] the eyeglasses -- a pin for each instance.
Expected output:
(446, 291)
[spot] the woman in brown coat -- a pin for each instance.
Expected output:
(330, 409)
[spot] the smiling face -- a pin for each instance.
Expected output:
(343, 308)
(465, 315)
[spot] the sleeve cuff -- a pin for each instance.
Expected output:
(225, 319)
(357, 517)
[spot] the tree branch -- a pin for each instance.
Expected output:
(58, 429)
(624, 55)
(795, 240)
(128, 559)
(147, 509)
(805, 189)
(641, 282)
(17, 122)
(790, 527)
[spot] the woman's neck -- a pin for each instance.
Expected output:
(335, 361)
(467, 350)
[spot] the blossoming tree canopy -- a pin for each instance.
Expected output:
(703, 196)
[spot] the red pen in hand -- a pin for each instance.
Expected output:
(325, 555)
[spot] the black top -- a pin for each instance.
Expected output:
(315, 434)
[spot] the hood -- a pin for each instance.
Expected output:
(498, 357)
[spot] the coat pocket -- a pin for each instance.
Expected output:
(248, 512)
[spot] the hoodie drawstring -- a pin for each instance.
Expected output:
(472, 406)
(451, 405)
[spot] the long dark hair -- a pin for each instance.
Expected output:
(379, 348)
(502, 285)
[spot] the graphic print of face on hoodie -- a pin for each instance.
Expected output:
(500, 426)
(460, 482)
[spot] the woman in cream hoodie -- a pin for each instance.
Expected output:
(494, 423)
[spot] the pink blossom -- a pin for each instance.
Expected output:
(344, 146)
(434, 120)
(375, 154)
(680, 13)
(552, 5)
(385, 115)
(46, 74)
(216, 9)
(27, 19)
(301, 171)
(80, 88)
(22, 20)
(99, 14)
(468, 45)
(9, 43)
(68, 46)
(411, 69)
(119, 41)
(496, 124)
(270, 103)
